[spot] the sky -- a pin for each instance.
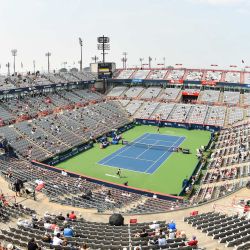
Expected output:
(195, 33)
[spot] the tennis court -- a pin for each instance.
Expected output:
(145, 154)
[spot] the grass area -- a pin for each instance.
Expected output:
(166, 179)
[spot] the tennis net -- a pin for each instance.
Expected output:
(152, 146)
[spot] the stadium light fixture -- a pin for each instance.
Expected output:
(48, 54)
(149, 61)
(81, 43)
(141, 60)
(103, 44)
(34, 66)
(14, 54)
(8, 66)
(95, 59)
(125, 59)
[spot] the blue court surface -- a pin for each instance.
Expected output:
(145, 154)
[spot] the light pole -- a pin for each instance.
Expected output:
(80, 42)
(149, 61)
(125, 59)
(123, 62)
(34, 66)
(103, 45)
(14, 53)
(95, 58)
(8, 66)
(48, 54)
(164, 61)
(141, 60)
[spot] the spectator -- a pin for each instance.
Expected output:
(84, 247)
(46, 215)
(47, 238)
(67, 217)
(193, 242)
(72, 215)
(32, 245)
(153, 242)
(172, 225)
(171, 234)
(10, 247)
(60, 217)
(17, 187)
(143, 233)
(24, 223)
(68, 232)
(58, 230)
(137, 248)
(53, 225)
(162, 241)
(47, 225)
(154, 225)
(57, 241)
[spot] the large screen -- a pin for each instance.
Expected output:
(104, 70)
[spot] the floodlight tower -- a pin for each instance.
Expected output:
(149, 61)
(34, 66)
(141, 60)
(48, 54)
(8, 66)
(125, 59)
(14, 54)
(95, 59)
(103, 44)
(81, 43)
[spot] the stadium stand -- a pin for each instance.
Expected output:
(175, 74)
(150, 93)
(117, 91)
(125, 74)
(213, 76)
(233, 77)
(133, 92)
(170, 94)
(210, 96)
(232, 230)
(40, 126)
(231, 97)
(140, 74)
(194, 75)
(157, 74)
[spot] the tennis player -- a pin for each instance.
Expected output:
(119, 172)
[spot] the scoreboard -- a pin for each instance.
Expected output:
(105, 70)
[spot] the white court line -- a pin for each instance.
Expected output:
(163, 155)
(113, 176)
(154, 144)
(124, 169)
(160, 140)
(129, 157)
(122, 150)
(146, 150)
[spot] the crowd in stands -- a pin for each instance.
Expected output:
(184, 74)
(38, 79)
(228, 166)
(71, 231)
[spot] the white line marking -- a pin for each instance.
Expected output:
(162, 156)
(112, 176)
(122, 150)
